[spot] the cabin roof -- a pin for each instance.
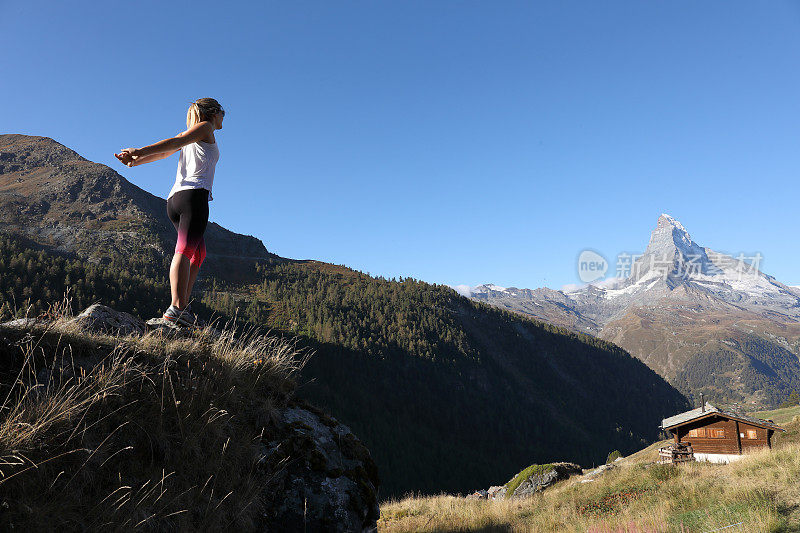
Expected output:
(697, 413)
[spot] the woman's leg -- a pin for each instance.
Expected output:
(174, 209)
(178, 277)
(193, 270)
(194, 267)
(188, 211)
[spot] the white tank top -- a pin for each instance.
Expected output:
(196, 167)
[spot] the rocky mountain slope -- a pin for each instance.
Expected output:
(706, 321)
(69, 204)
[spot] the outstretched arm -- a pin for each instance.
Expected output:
(127, 159)
(165, 148)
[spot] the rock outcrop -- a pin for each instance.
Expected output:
(102, 319)
(544, 477)
(533, 479)
(329, 481)
(600, 470)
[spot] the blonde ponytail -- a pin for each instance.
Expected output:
(200, 110)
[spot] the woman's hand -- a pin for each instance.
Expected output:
(127, 156)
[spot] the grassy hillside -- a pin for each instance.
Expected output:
(780, 416)
(758, 493)
(103, 434)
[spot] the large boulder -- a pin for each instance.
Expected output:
(538, 477)
(496, 492)
(103, 319)
(21, 323)
(325, 478)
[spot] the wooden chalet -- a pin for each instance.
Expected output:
(718, 435)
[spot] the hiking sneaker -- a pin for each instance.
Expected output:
(176, 316)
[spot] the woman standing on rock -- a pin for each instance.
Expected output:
(187, 203)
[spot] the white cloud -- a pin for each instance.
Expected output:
(463, 290)
(603, 283)
(607, 283)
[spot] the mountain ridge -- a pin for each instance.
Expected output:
(70, 204)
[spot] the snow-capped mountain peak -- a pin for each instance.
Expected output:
(485, 287)
(673, 266)
(668, 235)
(491, 287)
(671, 255)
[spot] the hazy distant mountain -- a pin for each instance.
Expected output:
(704, 320)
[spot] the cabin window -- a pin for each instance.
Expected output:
(751, 434)
(716, 433)
(697, 432)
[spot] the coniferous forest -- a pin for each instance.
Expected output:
(32, 279)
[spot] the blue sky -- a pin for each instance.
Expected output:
(454, 142)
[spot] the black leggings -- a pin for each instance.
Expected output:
(188, 211)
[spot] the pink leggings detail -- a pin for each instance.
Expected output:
(188, 211)
(195, 255)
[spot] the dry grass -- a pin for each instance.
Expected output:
(101, 432)
(759, 493)
(780, 416)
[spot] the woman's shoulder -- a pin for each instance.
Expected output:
(209, 139)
